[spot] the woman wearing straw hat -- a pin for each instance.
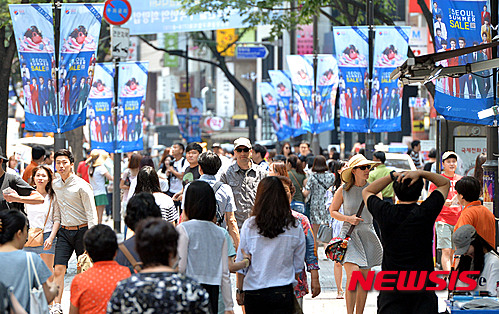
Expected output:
(97, 174)
(364, 248)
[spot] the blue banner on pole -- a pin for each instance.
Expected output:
(189, 120)
(80, 29)
(277, 111)
(132, 86)
(390, 51)
(100, 104)
(351, 52)
(460, 24)
(152, 17)
(34, 33)
(302, 77)
(327, 84)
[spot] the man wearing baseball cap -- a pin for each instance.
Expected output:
(474, 250)
(243, 177)
(451, 211)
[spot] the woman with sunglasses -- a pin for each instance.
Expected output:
(364, 248)
(317, 184)
(286, 149)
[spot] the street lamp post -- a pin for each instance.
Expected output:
(370, 21)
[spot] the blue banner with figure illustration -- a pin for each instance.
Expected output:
(100, 103)
(327, 84)
(302, 77)
(276, 109)
(34, 33)
(189, 120)
(352, 51)
(390, 51)
(460, 24)
(132, 86)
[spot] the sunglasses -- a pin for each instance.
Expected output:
(364, 167)
(240, 150)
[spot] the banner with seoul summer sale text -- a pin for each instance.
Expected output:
(100, 104)
(390, 51)
(352, 51)
(132, 86)
(460, 24)
(302, 77)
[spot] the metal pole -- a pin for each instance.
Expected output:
(59, 138)
(117, 156)
(370, 21)
(316, 148)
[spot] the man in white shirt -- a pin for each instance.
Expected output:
(175, 172)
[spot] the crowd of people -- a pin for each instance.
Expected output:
(197, 215)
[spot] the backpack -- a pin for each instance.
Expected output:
(5, 304)
(171, 175)
(219, 214)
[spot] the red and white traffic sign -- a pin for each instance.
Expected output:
(117, 12)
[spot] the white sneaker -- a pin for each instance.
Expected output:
(56, 309)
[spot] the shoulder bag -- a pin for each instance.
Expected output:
(137, 266)
(337, 247)
(35, 235)
(37, 300)
(83, 263)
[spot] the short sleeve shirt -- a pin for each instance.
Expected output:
(449, 214)
(176, 183)
(16, 183)
(407, 231)
(83, 170)
(190, 175)
(91, 290)
(98, 180)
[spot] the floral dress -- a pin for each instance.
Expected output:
(317, 184)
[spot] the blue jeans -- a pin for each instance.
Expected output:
(298, 206)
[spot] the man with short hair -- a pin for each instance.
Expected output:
(258, 156)
(474, 213)
(304, 151)
(407, 230)
(192, 152)
(449, 215)
(175, 171)
(37, 157)
(92, 289)
(243, 177)
(74, 209)
(415, 155)
(380, 172)
(209, 163)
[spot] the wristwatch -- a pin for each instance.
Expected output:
(239, 291)
(392, 176)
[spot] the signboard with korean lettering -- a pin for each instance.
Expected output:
(225, 94)
(152, 17)
(468, 148)
(120, 42)
(170, 43)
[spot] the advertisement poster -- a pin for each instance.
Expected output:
(488, 189)
(132, 86)
(327, 84)
(279, 115)
(390, 51)
(34, 33)
(460, 24)
(281, 81)
(302, 77)
(468, 148)
(189, 120)
(80, 29)
(100, 102)
(352, 51)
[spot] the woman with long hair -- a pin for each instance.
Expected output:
(477, 254)
(364, 248)
(271, 234)
(158, 288)
(202, 245)
(129, 174)
(295, 172)
(478, 173)
(317, 184)
(14, 272)
(286, 149)
(278, 168)
(42, 215)
(148, 181)
(311, 261)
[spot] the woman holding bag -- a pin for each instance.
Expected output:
(364, 248)
(43, 230)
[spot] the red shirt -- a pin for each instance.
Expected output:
(449, 214)
(91, 290)
(28, 172)
(83, 170)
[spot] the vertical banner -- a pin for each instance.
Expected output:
(100, 103)
(276, 109)
(460, 24)
(132, 86)
(390, 51)
(327, 83)
(34, 33)
(302, 77)
(189, 120)
(79, 39)
(352, 51)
